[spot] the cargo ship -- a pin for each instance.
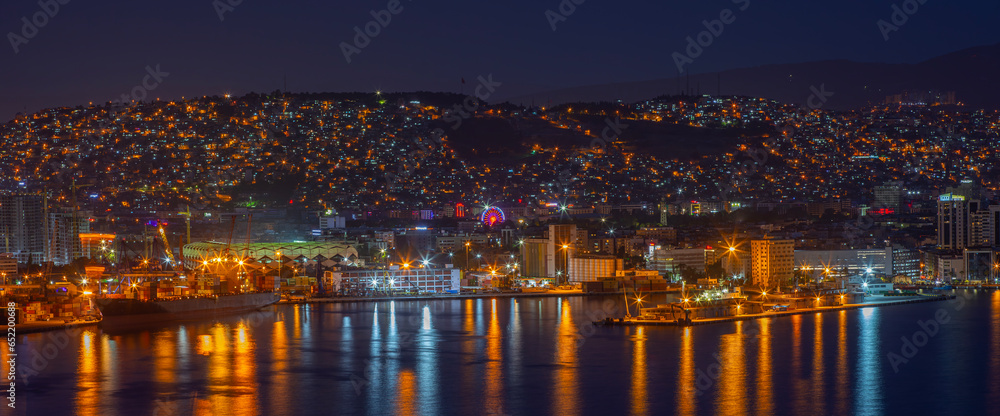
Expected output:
(124, 313)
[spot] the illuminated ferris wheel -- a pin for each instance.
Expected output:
(492, 216)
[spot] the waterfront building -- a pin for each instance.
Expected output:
(890, 261)
(534, 252)
(772, 261)
(980, 264)
(593, 267)
(299, 254)
(394, 279)
(669, 261)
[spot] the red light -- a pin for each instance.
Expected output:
(290, 202)
(708, 247)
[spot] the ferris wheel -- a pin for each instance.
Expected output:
(492, 216)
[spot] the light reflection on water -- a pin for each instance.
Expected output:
(509, 356)
(868, 394)
(994, 351)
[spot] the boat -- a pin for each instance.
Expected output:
(118, 312)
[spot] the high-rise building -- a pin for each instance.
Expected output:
(984, 226)
(771, 261)
(22, 227)
(953, 221)
(534, 251)
(904, 261)
(63, 245)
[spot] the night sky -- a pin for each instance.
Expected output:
(97, 51)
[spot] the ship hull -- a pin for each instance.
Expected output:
(131, 313)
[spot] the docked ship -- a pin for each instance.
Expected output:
(135, 312)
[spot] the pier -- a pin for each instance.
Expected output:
(747, 317)
(505, 295)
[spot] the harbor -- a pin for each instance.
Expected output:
(649, 317)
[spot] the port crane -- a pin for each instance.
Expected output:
(166, 245)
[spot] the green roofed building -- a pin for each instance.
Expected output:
(326, 253)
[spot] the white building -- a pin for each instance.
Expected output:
(394, 279)
(592, 268)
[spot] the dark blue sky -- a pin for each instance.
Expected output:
(96, 51)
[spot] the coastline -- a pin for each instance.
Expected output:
(35, 327)
(707, 321)
(549, 294)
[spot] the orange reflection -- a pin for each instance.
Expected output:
(995, 351)
(297, 322)
(407, 394)
(732, 380)
(842, 378)
(280, 393)
(494, 360)
(686, 400)
(244, 372)
(218, 374)
(818, 386)
(109, 368)
(765, 393)
(566, 388)
(204, 344)
(88, 386)
(800, 396)
(468, 345)
(164, 361)
(639, 405)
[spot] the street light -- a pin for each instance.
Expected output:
(277, 255)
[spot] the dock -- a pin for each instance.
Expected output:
(507, 295)
(42, 326)
(801, 311)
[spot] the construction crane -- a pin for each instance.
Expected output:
(187, 221)
(166, 244)
(229, 242)
(246, 252)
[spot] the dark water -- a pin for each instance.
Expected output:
(528, 356)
